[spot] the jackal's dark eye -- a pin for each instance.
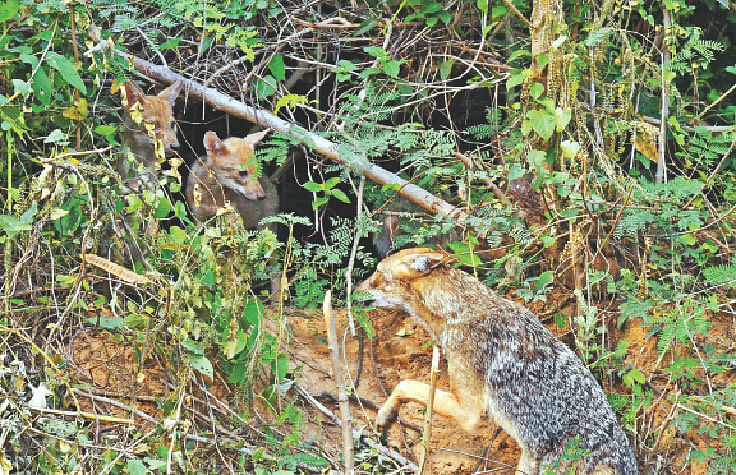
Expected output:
(243, 173)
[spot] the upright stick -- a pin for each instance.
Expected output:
(428, 415)
(347, 427)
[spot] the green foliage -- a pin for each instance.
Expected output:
(719, 275)
(328, 188)
(695, 53)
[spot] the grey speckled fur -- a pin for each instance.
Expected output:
(531, 383)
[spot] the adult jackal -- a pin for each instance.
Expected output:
(503, 363)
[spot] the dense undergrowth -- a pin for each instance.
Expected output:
(589, 147)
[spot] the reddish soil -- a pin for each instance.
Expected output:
(397, 352)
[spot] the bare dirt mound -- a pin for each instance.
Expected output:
(399, 351)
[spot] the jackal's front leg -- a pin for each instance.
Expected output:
(445, 404)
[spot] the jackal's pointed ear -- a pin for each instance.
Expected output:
(133, 94)
(213, 144)
(424, 263)
(171, 92)
(411, 263)
(256, 137)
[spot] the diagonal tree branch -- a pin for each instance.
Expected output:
(323, 146)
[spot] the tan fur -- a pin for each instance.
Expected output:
(502, 363)
(227, 173)
(156, 111)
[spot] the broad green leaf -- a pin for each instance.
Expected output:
(21, 87)
(237, 373)
(463, 253)
(569, 149)
(544, 279)
(547, 240)
(12, 225)
(104, 130)
(137, 467)
(340, 195)
(542, 59)
(319, 202)
(173, 43)
(392, 68)
(542, 122)
(689, 239)
(376, 51)
(192, 347)
(234, 346)
(164, 208)
(282, 365)
(277, 67)
(8, 9)
(331, 182)
(209, 278)
(155, 464)
(637, 376)
(265, 87)
(57, 137)
(519, 53)
(67, 70)
(499, 11)
(313, 187)
(29, 214)
(368, 72)
(516, 77)
(536, 90)
(252, 311)
(290, 100)
(42, 87)
(366, 26)
(108, 323)
(516, 171)
(133, 321)
(446, 69)
(201, 364)
(562, 118)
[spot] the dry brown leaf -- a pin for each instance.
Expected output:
(115, 269)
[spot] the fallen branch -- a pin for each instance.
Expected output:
(265, 119)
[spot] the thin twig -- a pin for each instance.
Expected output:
(427, 433)
(517, 13)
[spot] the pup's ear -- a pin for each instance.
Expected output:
(256, 137)
(172, 92)
(133, 94)
(213, 144)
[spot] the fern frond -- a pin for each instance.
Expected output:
(721, 274)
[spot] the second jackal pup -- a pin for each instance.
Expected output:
(501, 362)
(227, 174)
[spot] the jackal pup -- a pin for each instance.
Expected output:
(156, 129)
(227, 173)
(501, 361)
